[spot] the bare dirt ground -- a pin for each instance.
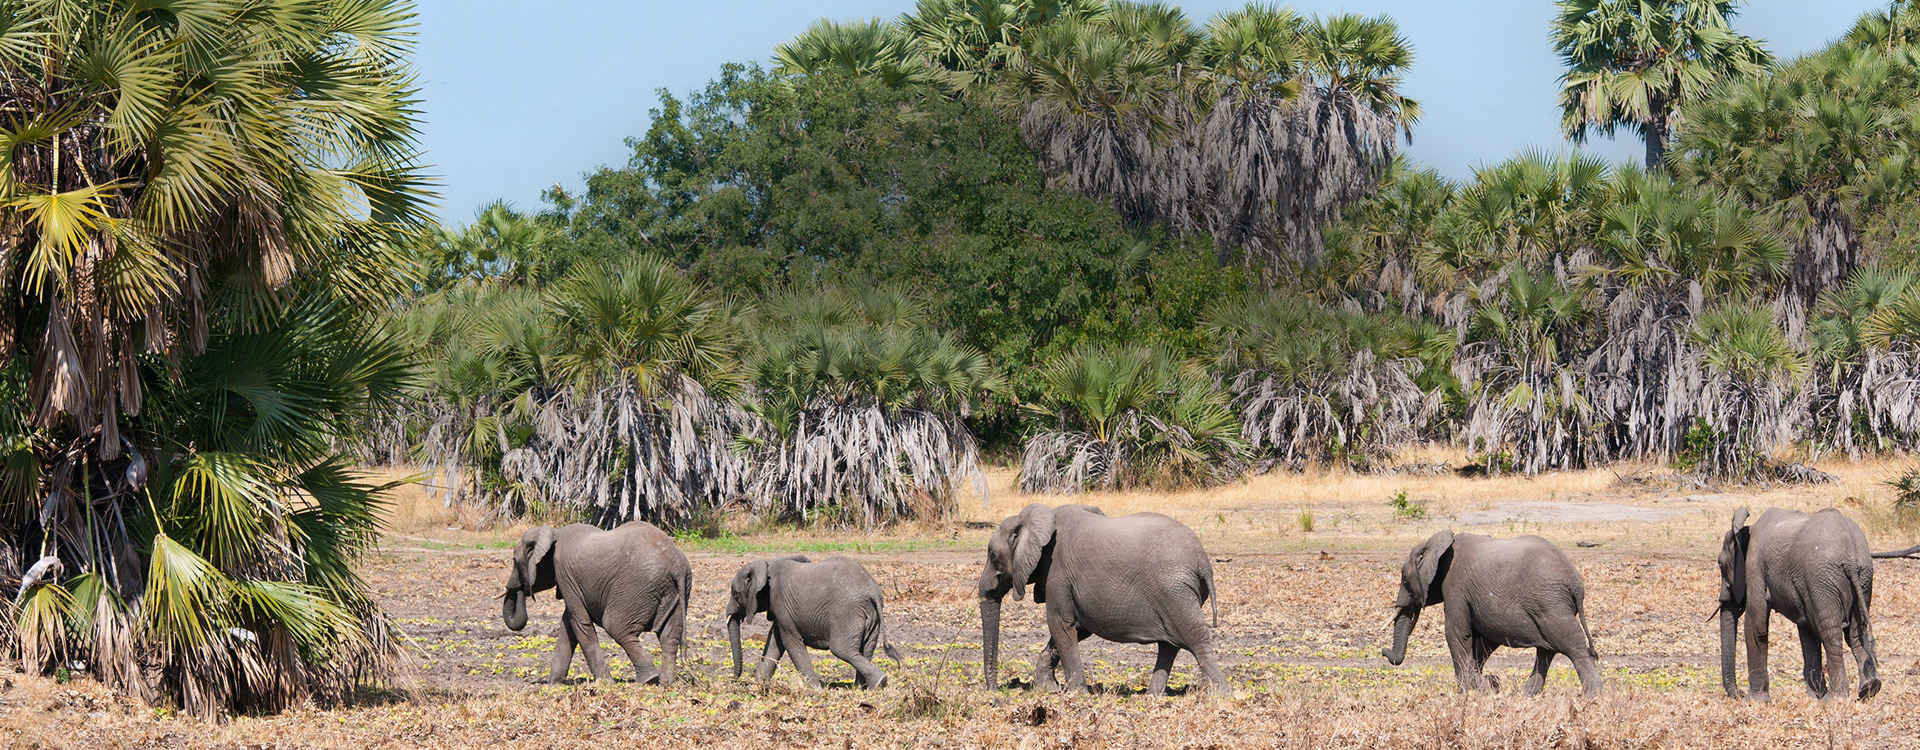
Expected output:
(1306, 565)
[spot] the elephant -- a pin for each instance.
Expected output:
(1816, 571)
(627, 580)
(832, 604)
(1142, 578)
(1520, 593)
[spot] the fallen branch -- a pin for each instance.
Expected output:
(1913, 552)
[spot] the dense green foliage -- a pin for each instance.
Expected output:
(203, 200)
(1115, 218)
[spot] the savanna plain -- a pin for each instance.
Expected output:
(1306, 564)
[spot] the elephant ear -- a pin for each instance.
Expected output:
(1435, 557)
(539, 555)
(756, 589)
(1035, 533)
(1733, 562)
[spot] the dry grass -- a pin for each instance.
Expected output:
(1303, 615)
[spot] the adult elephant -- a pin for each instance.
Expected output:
(1816, 571)
(1520, 593)
(1142, 578)
(628, 581)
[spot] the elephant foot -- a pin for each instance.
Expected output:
(1869, 688)
(1759, 697)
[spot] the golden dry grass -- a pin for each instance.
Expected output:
(1303, 614)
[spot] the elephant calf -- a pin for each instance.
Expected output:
(1519, 593)
(1816, 571)
(628, 581)
(832, 604)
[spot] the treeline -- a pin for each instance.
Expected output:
(1165, 253)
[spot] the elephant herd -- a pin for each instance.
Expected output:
(1144, 578)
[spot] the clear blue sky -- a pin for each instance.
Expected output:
(519, 97)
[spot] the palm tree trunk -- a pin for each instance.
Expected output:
(1656, 136)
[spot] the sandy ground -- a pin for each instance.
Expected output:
(1303, 616)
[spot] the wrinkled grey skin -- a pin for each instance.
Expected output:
(831, 604)
(628, 581)
(1816, 571)
(1141, 578)
(1520, 593)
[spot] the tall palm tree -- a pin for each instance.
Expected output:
(200, 196)
(1360, 62)
(1634, 63)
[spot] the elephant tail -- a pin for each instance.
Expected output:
(1859, 615)
(886, 644)
(1592, 651)
(1209, 594)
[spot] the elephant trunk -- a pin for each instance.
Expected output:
(733, 637)
(1729, 633)
(513, 609)
(990, 642)
(1402, 628)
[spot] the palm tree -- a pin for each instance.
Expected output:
(1827, 140)
(871, 48)
(1754, 374)
(1360, 62)
(1634, 63)
(1328, 386)
(1521, 364)
(201, 195)
(976, 41)
(862, 406)
(1128, 417)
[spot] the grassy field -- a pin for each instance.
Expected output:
(1306, 567)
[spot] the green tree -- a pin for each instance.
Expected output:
(1634, 63)
(202, 196)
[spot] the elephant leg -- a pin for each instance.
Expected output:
(1861, 644)
(802, 659)
(770, 657)
(1482, 650)
(670, 638)
(1569, 638)
(1162, 665)
(1043, 668)
(588, 637)
(1209, 666)
(1542, 661)
(1811, 662)
(1066, 641)
(1756, 648)
(1589, 672)
(562, 651)
(637, 653)
(1833, 641)
(865, 673)
(1461, 646)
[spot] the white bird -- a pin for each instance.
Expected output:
(45, 569)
